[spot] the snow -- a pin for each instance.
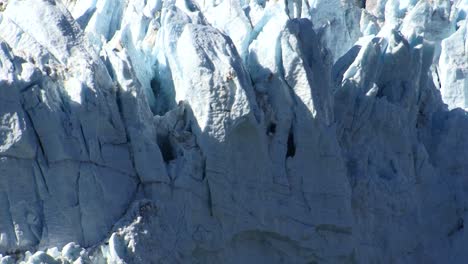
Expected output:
(233, 131)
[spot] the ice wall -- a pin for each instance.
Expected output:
(229, 131)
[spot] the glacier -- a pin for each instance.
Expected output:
(233, 131)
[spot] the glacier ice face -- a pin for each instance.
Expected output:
(453, 65)
(69, 155)
(233, 131)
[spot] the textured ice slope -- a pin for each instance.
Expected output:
(233, 131)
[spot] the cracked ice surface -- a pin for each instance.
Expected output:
(225, 131)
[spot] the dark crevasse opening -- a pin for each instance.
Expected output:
(361, 3)
(156, 88)
(162, 87)
(291, 151)
(271, 130)
(165, 146)
(164, 98)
